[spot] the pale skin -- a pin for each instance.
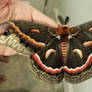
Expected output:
(20, 10)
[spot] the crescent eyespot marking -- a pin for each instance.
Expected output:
(58, 37)
(88, 43)
(79, 52)
(70, 37)
(90, 29)
(49, 52)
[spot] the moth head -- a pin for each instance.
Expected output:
(64, 29)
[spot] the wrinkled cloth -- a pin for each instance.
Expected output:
(20, 10)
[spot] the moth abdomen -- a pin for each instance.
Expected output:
(64, 49)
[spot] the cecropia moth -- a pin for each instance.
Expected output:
(55, 53)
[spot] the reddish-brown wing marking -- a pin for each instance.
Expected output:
(58, 52)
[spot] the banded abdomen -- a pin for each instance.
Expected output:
(64, 49)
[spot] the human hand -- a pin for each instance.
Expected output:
(19, 10)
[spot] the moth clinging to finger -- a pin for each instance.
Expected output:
(55, 53)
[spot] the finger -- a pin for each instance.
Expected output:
(39, 17)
